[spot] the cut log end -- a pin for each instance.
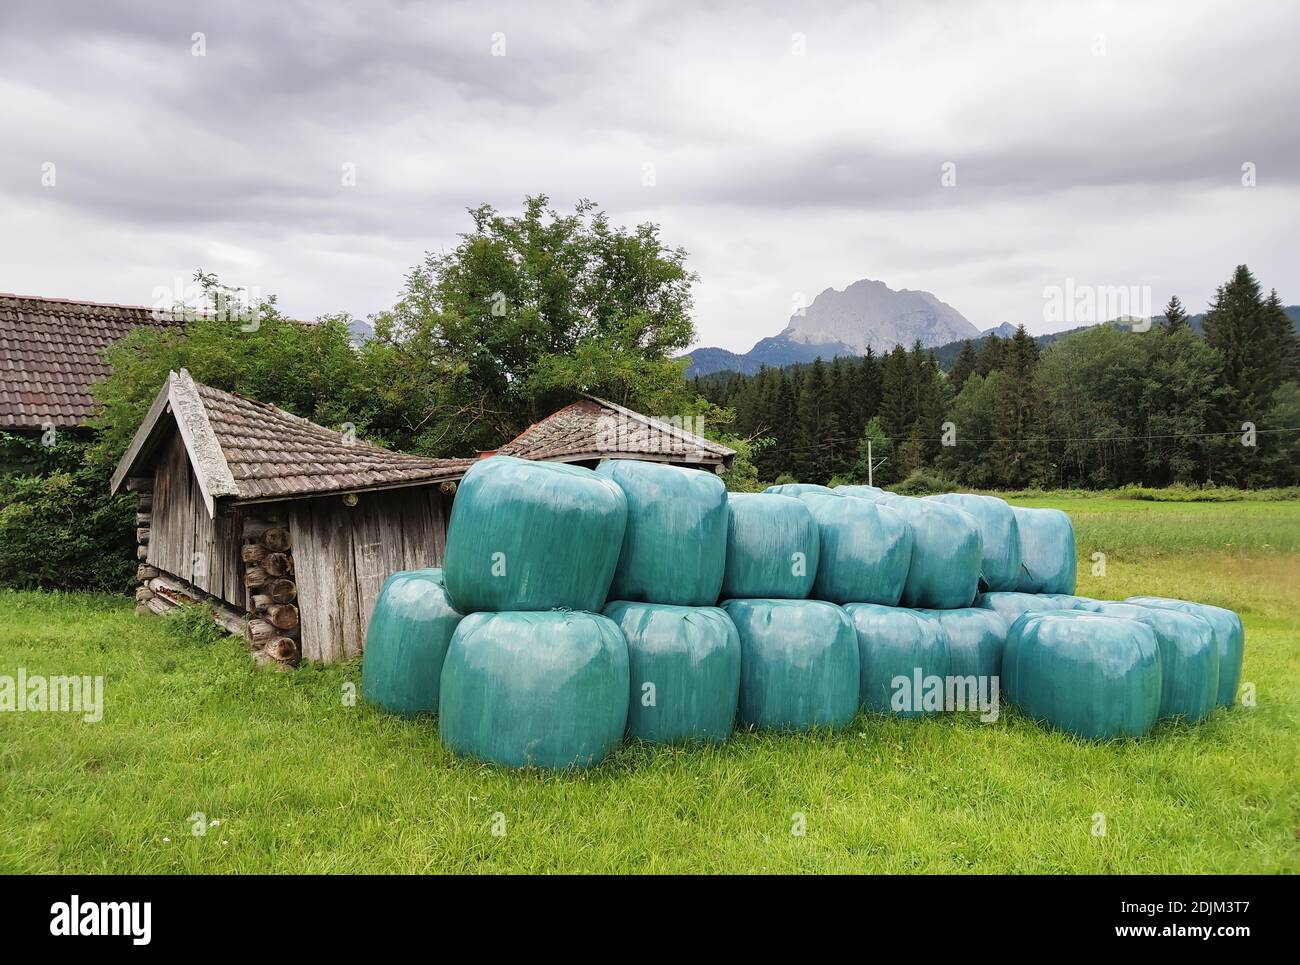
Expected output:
(278, 564)
(282, 616)
(283, 591)
(277, 539)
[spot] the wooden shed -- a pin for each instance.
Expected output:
(279, 522)
(288, 529)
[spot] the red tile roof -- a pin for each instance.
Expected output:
(49, 355)
(593, 428)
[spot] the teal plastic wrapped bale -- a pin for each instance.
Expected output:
(1097, 677)
(1229, 635)
(798, 489)
(675, 545)
(773, 546)
(999, 538)
(533, 536)
(1068, 601)
(946, 552)
(1047, 562)
(684, 671)
(865, 550)
(798, 665)
(406, 643)
(862, 492)
(1189, 657)
(545, 690)
(900, 654)
(976, 638)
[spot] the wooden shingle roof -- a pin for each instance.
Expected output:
(49, 355)
(593, 428)
(254, 451)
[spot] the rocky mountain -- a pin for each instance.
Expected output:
(866, 313)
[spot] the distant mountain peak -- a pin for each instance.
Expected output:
(1005, 330)
(866, 314)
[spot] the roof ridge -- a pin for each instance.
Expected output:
(78, 301)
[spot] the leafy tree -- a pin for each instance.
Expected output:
(528, 310)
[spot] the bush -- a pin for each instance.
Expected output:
(194, 623)
(59, 528)
(923, 482)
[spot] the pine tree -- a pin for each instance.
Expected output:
(1175, 316)
(991, 354)
(1019, 456)
(897, 397)
(963, 367)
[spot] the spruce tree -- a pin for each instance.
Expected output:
(963, 367)
(1175, 316)
(1019, 455)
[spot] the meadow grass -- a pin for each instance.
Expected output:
(302, 781)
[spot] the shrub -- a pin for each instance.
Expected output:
(923, 482)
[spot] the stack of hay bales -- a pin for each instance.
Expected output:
(684, 651)
(535, 675)
(799, 657)
(643, 600)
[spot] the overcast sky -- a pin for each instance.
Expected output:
(791, 151)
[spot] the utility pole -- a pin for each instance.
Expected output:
(869, 467)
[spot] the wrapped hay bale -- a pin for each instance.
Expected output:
(684, 671)
(1094, 676)
(898, 649)
(1189, 657)
(533, 536)
(1229, 635)
(528, 689)
(865, 550)
(799, 664)
(772, 548)
(946, 551)
(976, 638)
(675, 544)
(999, 538)
(406, 643)
(1047, 561)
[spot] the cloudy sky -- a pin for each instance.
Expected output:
(790, 151)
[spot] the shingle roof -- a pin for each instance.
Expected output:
(253, 450)
(592, 428)
(49, 355)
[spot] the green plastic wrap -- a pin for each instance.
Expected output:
(798, 666)
(533, 536)
(894, 643)
(684, 666)
(1229, 635)
(406, 643)
(946, 552)
(976, 638)
(772, 548)
(544, 690)
(865, 550)
(675, 545)
(999, 538)
(862, 492)
(1047, 561)
(798, 489)
(1189, 657)
(1097, 677)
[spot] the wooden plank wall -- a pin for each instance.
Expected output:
(184, 540)
(342, 555)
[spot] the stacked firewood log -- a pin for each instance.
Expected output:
(272, 594)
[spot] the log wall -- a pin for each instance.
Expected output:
(342, 555)
(183, 539)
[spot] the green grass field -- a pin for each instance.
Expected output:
(302, 781)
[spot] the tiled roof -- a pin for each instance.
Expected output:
(592, 428)
(272, 453)
(252, 450)
(49, 355)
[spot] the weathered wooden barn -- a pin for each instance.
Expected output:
(289, 529)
